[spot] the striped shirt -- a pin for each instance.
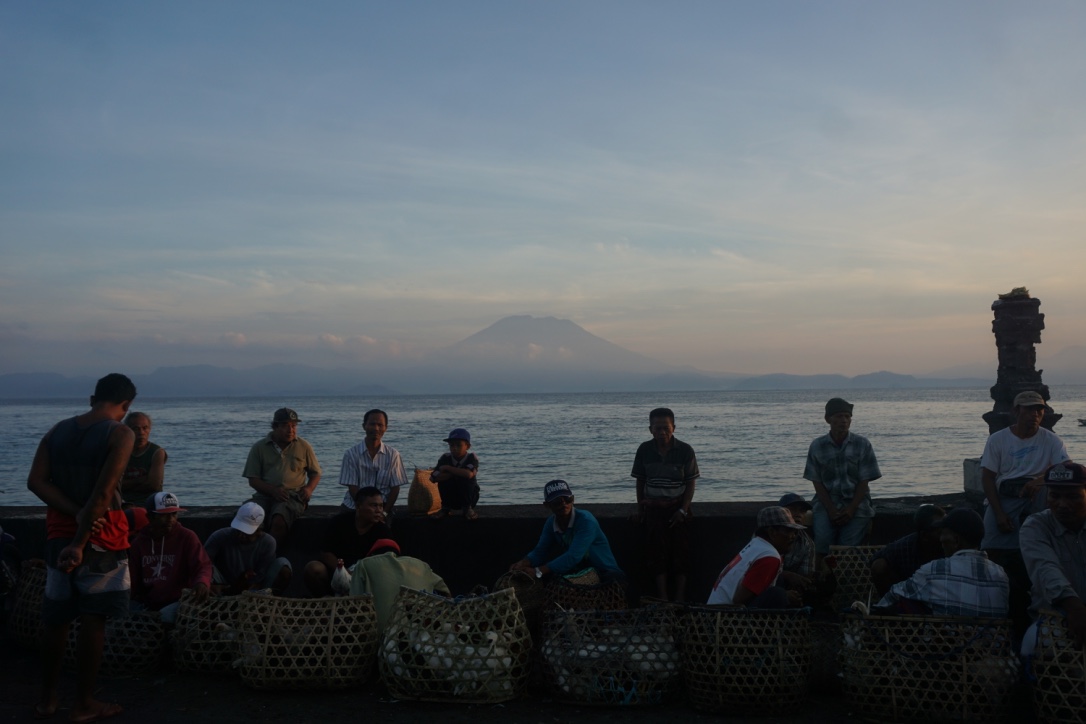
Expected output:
(965, 584)
(383, 471)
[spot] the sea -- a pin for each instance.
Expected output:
(751, 445)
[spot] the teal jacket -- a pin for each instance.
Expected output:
(582, 544)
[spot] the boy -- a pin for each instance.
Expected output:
(455, 476)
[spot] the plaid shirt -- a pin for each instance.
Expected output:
(841, 468)
(801, 558)
(965, 584)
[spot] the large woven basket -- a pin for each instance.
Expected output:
(903, 668)
(853, 573)
(1059, 694)
(583, 594)
(205, 637)
(133, 645)
(467, 650)
(745, 661)
(611, 657)
(314, 643)
(530, 593)
(423, 496)
(825, 655)
(25, 623)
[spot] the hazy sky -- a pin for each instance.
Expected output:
(741, 186)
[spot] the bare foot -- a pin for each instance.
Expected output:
(95, 711)
(470, 514)
(443, 513)
(45, 710)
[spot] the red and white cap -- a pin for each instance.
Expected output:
(164, 503)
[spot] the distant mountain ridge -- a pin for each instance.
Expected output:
(515, 354)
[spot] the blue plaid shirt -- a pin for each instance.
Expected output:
(965, 584)
(841, 468)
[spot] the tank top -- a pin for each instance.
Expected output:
(76, 457)
(134, 486)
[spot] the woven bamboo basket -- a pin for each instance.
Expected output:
(745, 661)
(471, 650)
(825, 655)
(530, 595)
(313, 643)
(1059, 694)
(936, 668)
(205, 637)
(132, 645)
(25, 623)
(627, 657)
(584, 593)
(853, 573)
(423, 496)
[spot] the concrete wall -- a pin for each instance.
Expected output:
(466, 553)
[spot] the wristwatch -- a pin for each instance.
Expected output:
(538, 573)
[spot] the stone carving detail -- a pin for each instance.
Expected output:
(1017, 327)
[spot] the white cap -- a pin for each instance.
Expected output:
(248, 519)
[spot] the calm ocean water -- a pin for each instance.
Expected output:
(750, 445)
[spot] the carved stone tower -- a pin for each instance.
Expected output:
(1017, 327)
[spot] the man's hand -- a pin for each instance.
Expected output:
(1006, 525)
(69, 558)
(98, 525)
(796, 582)
(795, 600)
(523, 565)
(1076, 619)
(677, 518)
(304, 494)
(200, 592)
(842, 518)
(1030, 489)
(280, 494)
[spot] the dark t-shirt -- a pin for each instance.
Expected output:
(343, 541)
(903, 555)
(665, 475)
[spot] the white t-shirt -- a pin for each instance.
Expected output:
(1009, 457)
(760, 578)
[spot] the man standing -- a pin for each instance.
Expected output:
(372, 463)
(76, 471)
(1054, 549)
(283, 470)
(1012, 468)
(666, 470)
(841, 464)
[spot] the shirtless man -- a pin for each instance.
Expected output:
(76, 471)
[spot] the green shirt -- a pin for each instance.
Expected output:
(285, 468)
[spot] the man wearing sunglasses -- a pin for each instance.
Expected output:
(571, 540)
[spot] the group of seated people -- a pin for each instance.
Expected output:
(939, 569)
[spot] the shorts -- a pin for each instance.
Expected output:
(99, 586)
(291, 509)
(667, 547)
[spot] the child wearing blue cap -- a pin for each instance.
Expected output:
(455, 474)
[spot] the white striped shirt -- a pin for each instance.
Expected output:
(383, 471)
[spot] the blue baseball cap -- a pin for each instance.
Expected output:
(459, 434)
(556, 489)
(791, 499)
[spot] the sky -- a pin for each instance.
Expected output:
(749, 187)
